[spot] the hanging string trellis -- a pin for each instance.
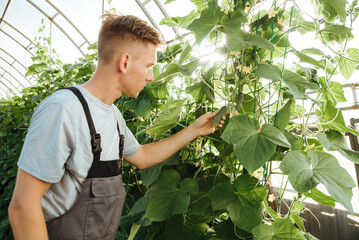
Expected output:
(266, 168)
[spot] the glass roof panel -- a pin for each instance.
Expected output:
(3, 6)
(178, 8)
(12, 47)
(16, 35)
(66, 50)
(87, 21)
(47, 8)
(157, 16)
(68, 29)
(28, 23)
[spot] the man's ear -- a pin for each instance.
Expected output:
(123, 62)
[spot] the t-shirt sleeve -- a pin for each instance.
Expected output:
(131, 144)
(48, 142)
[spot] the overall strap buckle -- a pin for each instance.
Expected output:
(96, 142)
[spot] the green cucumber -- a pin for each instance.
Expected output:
(219, 115)
(239, 100)
(208, 92)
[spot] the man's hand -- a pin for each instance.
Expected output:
(204, 124)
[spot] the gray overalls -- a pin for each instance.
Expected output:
(97, 211)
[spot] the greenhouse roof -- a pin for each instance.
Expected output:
(71, 31)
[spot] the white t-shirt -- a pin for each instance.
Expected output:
(57, 147)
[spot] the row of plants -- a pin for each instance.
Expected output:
(218, 186)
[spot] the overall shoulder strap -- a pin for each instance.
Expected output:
(95, 137)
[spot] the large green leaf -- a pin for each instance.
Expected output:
(281, 118)
(334, 93)
(336, 33)
(185, 54)
(169, 195)
(196, 91)
(239, 40)
(335, 141)
(200, 203)
(188, 68)
(321, 198)
(167, 119)
(353, 53)
(268, 71)
(179, 227)
(298, 167)
(182, 22)
(305, 172)
(36, 68)
(226, 230)
(140, 105)
(293, 140)
(323, 64)
(331, 117)
(280, 229)
(205, 23)
(314, 51)
(253, 147)
(233, 20)
(136, 214)
(200, 4)
(243, 200)
(213, 5)
(171, 69)
(158, 90)
(346, 68)
(150, 175)
(297, 84)
(333, 8)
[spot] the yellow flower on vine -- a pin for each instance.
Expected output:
(217, 83)
(234, 52)
(255, 174)
(245, 69)
(226, 10)
(272, 13)
(310, 147)
(271, 197)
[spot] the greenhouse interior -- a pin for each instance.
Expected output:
(244, 123)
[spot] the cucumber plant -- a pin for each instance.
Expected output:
(218, 186)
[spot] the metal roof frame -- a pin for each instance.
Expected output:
(12, 65)
(52, 20)
(12, 76)
(141, 3)
(11, 89)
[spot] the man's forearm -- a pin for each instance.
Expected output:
(154, 153)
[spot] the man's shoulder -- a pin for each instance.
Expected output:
(60, 99)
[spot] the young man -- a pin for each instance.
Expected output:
(69, 185)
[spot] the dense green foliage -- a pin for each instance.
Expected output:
(217, 186)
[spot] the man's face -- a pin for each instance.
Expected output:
(139, 70)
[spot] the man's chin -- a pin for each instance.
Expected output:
(132, 95)
(135, 95)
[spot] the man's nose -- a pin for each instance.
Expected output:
(150, 77)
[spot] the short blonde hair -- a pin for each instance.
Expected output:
(116, 30)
